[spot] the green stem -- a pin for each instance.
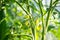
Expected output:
(32, 23)
(50, 11)
(32, 27)
(22, 8)
(22, 35)
(55, 1)
(2, 20)
(40, 3)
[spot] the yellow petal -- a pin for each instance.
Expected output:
(37, 21)
(26, 16)
(39, 27)
(27, 22)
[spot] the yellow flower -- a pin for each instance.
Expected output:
(39, 27)
(37, 21)
(20, 14)
(26, 16)
(27, 22)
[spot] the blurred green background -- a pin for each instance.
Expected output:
(29, 19)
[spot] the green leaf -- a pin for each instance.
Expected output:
(3, 26)
(50, 27)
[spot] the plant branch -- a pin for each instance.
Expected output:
(28, 13)
(51, 8)
(2, 20)
(22, 8)
(42, 19)
(55, 1)
(22, 35)
(49, 12)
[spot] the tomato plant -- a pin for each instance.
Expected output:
(29, 19)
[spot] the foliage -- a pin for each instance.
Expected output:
(29, 20)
